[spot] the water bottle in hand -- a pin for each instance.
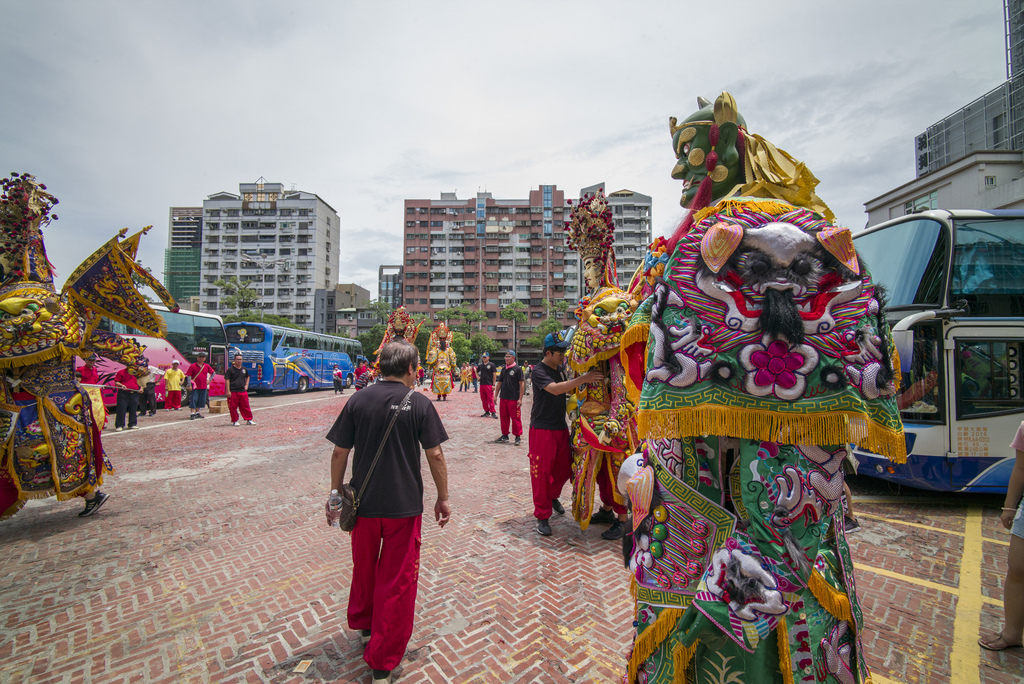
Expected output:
(334, 508)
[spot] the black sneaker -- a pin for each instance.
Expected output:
(556, 506)
(616, 531)
(200, 415)
(94, 505)
(603, 517)
(382, 677)
(851, 525)
(494, 415)
(364, 635)
(502, 440)
(192, 416)
(519, 440)
(485, 414)
(544, 527)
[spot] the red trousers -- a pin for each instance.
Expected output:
(604, 484)
(487, 397)
(550, 467)
(385, 577)
(173, 399)
(238, 402)
(508, 410)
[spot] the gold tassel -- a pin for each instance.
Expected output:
(773, 207)
(38, 357)
(632, 587)
(785, 663)
(835, 602)
(897, 375)
(681, 657)
(651, 638)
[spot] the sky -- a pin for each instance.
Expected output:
(125, 109)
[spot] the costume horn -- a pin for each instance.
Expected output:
(718, 244)
(839, 243)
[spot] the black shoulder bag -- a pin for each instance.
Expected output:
(349, 498)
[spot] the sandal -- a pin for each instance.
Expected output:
(996, 642)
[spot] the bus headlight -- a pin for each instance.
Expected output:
(879, 468)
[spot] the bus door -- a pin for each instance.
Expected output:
(219, 358)
(320, 370)
(986, 403)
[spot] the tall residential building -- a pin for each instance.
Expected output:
(994, 121)
(285, 243)
(631, 213)
(181, 258)
(389, 285)
(485, 253)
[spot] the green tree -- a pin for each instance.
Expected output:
(239, 296)
(540, 332)
(463, 350)
(371, 339)
(514, 311)
(422, 340)
(463, 318)
(481, 343)
(381, 308)
(559, 307)
(139, 283)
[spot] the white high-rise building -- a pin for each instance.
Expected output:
(285, 243)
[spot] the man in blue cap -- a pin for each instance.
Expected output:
(550, 447)
(510, 388)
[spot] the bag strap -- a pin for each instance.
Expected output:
(383, 441)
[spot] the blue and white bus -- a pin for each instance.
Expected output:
(955, 282)
(289, 359)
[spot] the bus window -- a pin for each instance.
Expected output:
(909, 259)
(988, 266)
(988, 377)
(921, 397)
(309, 342)
(207, 331)
(278, 335)
(291, 340)
(336, 345)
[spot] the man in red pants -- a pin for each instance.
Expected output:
(510, 388)
(486, 369)
(386, 537)
(237, 380)
(550, 449)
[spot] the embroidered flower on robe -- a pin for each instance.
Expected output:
(778, 368)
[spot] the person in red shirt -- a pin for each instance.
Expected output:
(128, 392)
(88, 374)
(199, 375)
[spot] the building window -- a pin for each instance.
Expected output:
(922, 203)
(990, 181)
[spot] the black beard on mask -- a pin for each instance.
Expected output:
(780, 317)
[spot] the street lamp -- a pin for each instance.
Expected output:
(264, 263)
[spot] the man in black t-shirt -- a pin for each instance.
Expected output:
(237, 380)
(386, 537)
(510, 388)
(486, 370)
(550, 448)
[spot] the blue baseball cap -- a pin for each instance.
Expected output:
(556, 340)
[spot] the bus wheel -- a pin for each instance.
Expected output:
(303, 384)
(349, 381)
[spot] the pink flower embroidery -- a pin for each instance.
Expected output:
(775, 367)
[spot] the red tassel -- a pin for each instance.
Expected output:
(713, 135)
(711, 161)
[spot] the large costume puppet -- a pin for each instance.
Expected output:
(441, 360)
(51, 440)
(604, 419)
(762, 353)
(401, 327)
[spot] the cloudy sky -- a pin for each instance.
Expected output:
(125, 109)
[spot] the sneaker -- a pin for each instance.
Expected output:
(192, 416)
(519, 440)
(556, 506)
(603, 517)
(382, 677)
(200, 415)
(364, 635)
(502, 440)
(94, 505)
(118, 429)
(851, 525)
(152, 413)
(485, 414)
(616, 531)
(494, 415)
(235, 423)
(544, 527)
(133, 427)
(178, 409)
(250, 422)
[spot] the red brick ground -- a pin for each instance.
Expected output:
(211, 563)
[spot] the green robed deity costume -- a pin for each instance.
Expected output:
(762, 352)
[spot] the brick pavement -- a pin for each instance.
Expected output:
(211, 563)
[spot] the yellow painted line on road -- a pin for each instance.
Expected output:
(907, 578)
(930, 528)
(991, 601)
(965, 658)
(995, 541)
(879, 679)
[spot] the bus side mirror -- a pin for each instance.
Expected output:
(904, 341)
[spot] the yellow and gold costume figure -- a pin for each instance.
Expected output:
(441, 360)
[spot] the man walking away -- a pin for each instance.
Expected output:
(509, 389)
(550, 448)
(386, 537)
(486, 370)
(199, 374)
(237, 379)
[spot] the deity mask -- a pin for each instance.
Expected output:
(708, 144)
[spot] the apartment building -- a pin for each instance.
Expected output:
(634, 232)
(182, 256)
(284, 243)
(389, 285)
(485, 253)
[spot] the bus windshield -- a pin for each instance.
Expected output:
(187, 332)
(251, 334)
(988, 266)
(909, 259)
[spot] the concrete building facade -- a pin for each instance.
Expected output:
(484, 253)
(283, 243)
(389, 285)
(182, 256)
(631, 213)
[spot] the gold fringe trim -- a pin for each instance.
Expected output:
(785, 661)
(31, 359)
(897, 375)
(726, 206)
(638, 334)
(651, 639)
(835, 602)
(681, 657)
(837, 427)
(632, 587)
